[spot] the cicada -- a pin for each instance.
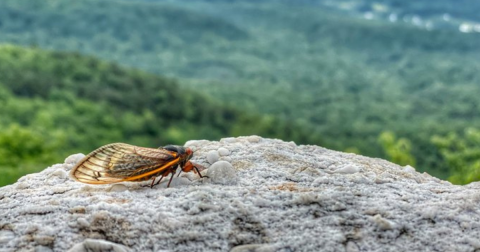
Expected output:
(119, 162)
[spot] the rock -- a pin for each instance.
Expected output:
(91, 245)
(73, 159)
(409, 169)
(223, 151)
(212, 156)
(348, 169)
(270, 196)
(222, 172)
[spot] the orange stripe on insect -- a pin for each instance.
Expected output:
(119, 162)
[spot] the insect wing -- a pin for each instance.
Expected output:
(123, 162)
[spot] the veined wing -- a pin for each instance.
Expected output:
(122, 162)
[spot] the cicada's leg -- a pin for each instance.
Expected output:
(171, 178)
(151, 185)
(153, 181)
(195, 167)
(158, 182)
(199, 174)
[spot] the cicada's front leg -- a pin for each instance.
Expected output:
(189, 166)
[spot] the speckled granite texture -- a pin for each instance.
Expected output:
(260, 195)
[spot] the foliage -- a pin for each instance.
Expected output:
(53, 104)
(344, 79)
(23, 148)
(462, 154)
(397, 150)
(19, 144)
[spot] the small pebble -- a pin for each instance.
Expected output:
(253, 139)
(73, 159)
(348, 169)
(223, 151)
(409, 169)
(191, 143)
(292, 144)
(82, 222)
(98, 245)
(221, 172)
(212, 156)
(383, 223)
(22, 185)
(118, 188)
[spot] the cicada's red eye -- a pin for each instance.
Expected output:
(119, 162)
(188, 151)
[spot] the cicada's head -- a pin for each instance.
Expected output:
(184, 152)
(189, 153)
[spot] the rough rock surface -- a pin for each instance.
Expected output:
(261, 195)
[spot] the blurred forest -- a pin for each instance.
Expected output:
(53, 104)
(300, 72)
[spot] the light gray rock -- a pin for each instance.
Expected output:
(91, 245)
(222, 172)
(223, 151)
(212, 156)
(283, 197)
